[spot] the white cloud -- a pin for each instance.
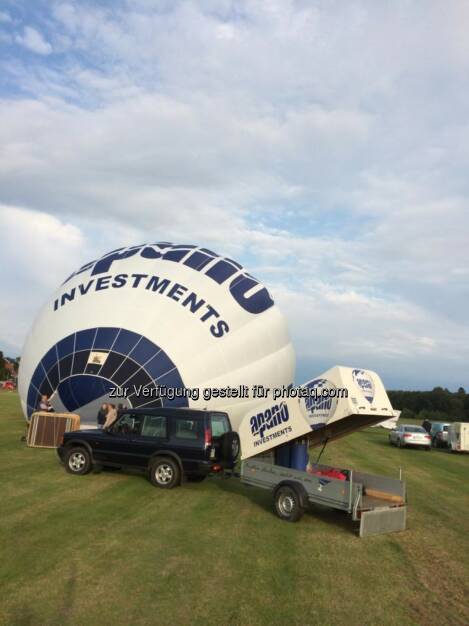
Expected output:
(5, 17)
(323, 145)
(38, 251)
(38, 236)
(34, 41)
(332, 327)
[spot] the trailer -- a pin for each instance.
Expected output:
(378, 503)
(458, 437)
(333, 405)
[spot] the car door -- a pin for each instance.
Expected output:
(187, 440)
(117, 446)
(220, 425)
(153, 436)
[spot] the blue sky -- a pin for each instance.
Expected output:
(321, 144)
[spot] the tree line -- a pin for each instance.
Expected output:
(436, 405)
(5, 368)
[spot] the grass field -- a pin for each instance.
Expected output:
(109, 548)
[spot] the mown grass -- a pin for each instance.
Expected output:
(111, 549)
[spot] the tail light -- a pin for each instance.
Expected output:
(208, 436)
(407, 435)
(427, 437)
(217, 468)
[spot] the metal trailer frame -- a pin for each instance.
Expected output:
(383, 510)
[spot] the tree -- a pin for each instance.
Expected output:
(436, 405)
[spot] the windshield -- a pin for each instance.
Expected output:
(414, 429)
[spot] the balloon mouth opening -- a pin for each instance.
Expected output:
(93, 366)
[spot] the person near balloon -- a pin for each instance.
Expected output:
(111, 415)
(101, 417)
(45, 405)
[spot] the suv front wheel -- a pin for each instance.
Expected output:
(165, 473)
(78, 461)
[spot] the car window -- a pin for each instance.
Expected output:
(414, 429)
(154, 426)
(188, 429)
(445, 428)
(129, 424)
(220, 424)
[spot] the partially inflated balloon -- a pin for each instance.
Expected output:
(156, 322)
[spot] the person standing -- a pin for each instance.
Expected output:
(101, 417)
(111, 415)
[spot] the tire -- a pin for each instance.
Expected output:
(428, 448)
(165, 473)
(230, 447)
(196, 478)
(287, 504)
(78, 461)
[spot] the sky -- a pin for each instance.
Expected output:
(323, 144)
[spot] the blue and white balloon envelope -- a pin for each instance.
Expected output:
(151, 318)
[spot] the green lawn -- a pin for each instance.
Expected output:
(109, 548)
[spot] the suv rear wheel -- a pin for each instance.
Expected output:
(78, 461)
(165, 473)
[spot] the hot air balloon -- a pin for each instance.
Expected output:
(156, 325)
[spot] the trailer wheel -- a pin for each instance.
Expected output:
(287, 504)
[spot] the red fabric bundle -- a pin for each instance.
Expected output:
(330, 473)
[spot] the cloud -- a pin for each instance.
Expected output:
(38, 250)
(324, 146)
(33, 41)
(5, 18)
(405, 343)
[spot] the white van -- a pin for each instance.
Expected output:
(458, 437)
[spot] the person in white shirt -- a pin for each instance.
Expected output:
(111, 415)
(44, 404)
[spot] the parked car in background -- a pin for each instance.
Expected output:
(440, 436)
(409, 435)
(438, 431)
(166, 444)
(458, 437)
